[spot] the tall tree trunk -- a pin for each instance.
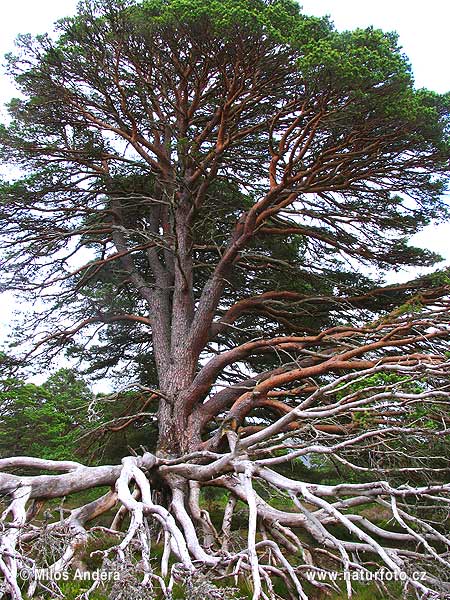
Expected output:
(178, 432)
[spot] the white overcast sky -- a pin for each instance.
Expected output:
(422, 27)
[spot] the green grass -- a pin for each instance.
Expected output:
(369, 591)
(72, 589)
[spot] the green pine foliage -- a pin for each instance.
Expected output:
(42, 420)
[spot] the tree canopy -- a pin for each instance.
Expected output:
(284, 147)
(42, 420)
(62, 419)
(210, 193)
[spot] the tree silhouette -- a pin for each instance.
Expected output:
(203, 182)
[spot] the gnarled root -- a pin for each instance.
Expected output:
(273, 548)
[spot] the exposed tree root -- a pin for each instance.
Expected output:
(198, 548)
(293, 530)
